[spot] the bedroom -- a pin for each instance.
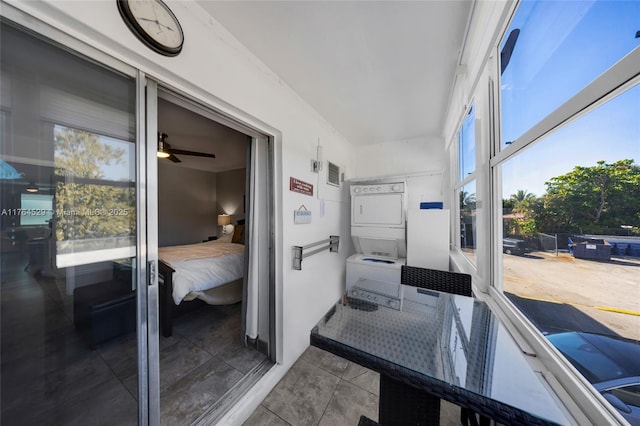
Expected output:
(196, 194)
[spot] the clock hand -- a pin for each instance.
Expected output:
(156, 22)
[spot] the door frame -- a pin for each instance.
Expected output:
(147, 328)
(148, 306)
(146, 238)
(257, 136)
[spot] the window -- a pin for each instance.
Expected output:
(467, 144)
(468, 238)
(561, 47)
(569, 251)
(94, 196)
(466, 187)
(578, 184)
(35, 209)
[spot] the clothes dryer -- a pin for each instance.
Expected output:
(378, 219)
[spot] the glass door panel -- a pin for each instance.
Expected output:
(68, 217)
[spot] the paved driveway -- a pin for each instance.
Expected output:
(561, 293)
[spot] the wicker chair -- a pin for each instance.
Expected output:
(446, 282)
(366, 421)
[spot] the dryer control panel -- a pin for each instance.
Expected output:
(382, 188)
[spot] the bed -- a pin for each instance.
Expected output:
(211, 271)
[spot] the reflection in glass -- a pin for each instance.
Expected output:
(68, 315)
(95, 197)
(454, 341)
(467, 195)
(467, 145)
(556, 36)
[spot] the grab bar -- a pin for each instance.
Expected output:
(299, 251)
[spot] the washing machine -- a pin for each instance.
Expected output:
(371, 268)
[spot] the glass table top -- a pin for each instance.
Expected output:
(450, 338)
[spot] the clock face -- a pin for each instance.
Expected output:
(153, 23)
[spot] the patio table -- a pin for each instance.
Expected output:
(429, 346)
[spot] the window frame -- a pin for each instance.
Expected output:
(575, 391)
(459, 183)
(619, 78)
(583, 402)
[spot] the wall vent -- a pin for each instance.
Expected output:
(333, 174)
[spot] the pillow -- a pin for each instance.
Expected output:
(238, 234)
(226, 238)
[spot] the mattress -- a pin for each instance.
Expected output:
(203, 266)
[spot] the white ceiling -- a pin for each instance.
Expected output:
(193, 132)
(378, 71)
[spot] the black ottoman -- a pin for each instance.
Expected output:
(104, 310)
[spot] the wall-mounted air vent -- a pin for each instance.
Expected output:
(333, 174)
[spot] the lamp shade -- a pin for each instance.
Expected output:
(224, 219)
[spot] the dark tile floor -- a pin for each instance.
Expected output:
(325, 390)
(50, 376)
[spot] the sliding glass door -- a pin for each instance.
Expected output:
(75, 311)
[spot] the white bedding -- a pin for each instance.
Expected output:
(203, 266)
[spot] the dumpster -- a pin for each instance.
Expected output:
(619, 249)
(594, 249)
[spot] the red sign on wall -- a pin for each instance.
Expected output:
(296, 185)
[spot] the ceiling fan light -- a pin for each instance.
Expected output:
(163, 147)
(32, 187)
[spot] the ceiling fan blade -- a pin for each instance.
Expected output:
(194, 153)
(174, 159)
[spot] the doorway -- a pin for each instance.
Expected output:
(212, 230)
(78, 314)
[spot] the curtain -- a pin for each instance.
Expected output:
(256, 290)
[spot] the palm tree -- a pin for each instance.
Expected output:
(467, 200)
(522, 200)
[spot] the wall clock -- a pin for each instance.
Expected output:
(154, 24)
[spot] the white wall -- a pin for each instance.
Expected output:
(216, 70)
(404, 157)
(230, 189)
(186, 213)
(419, 161)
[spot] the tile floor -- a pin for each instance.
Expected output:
(325, 390)
(50, 376)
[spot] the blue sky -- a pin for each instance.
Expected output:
(126, 170)
(562, 47)
(609, 133)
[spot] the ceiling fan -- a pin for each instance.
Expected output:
(165, 150)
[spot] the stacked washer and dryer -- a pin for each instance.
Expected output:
(378, 231)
